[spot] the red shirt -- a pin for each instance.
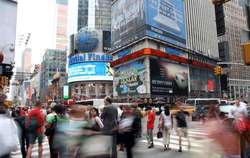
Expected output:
(151, 120)
(38, 114)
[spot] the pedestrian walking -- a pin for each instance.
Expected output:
(138, 117)
(182, 130)
(128, 130)
(238, 111)
(94, 120)
(54, 119)
(166, 125)
(150, 126)
(23, 136)
(8, 133)
(109, 117)
(35, 126)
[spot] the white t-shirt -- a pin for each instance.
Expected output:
(167, 120)
(238, 111)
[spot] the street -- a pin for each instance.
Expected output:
(199, 146)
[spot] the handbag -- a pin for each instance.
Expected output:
(159, 134)
(51, 130)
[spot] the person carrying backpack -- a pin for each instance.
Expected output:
(181, 125)
(35, 126)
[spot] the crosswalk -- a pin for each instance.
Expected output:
(197, 138)
(46, 152)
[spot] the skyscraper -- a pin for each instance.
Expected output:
(60, 24)
(26, 60)
(201, 27)
(90, 75)
(233, 20)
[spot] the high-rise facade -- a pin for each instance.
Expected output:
(54, 61)
(60, 24)
(26, 60)
(201, 27)
(235, 24)
(94, 14)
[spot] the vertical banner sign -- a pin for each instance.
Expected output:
(66, 92)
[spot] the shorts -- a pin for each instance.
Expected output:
(182, 132)
(33, 136)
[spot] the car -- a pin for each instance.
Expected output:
(225, 108)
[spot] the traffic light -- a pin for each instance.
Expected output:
(218, 70)
(246, 53)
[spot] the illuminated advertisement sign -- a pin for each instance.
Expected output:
(171, 79)
(130, 79)
(160, 19)
(166, 20)
(66, 92)
(90, 71)
(86, 57)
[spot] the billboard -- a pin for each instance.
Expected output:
(90, 71)
(165, 20)
(127, 22)
(86, 57)
(130, 79)
(168, 78)
(66, 92)
(160, 19)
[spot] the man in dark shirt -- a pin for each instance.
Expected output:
(181, 119)
(109, 117)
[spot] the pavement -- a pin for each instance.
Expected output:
(200, 146)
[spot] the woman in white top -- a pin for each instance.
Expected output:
(166, 124)
(96, 122)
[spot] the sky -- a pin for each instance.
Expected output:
(35, 17)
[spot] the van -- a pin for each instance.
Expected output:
(199, 106)
(202, 101)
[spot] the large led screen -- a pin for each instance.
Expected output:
(160, 19)
(90, 71)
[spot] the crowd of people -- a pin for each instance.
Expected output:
(85, 131)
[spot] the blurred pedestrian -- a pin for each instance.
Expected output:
(95, 121)
(128, 130)
(23, 137)
(150, 126)
(238, 111)
(35, 126)
(166, 125)
(8, 133)
(110, 122)
(182, 130)
(138, 122)
(52, 120)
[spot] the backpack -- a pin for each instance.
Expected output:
(52, 129)
(32, 124)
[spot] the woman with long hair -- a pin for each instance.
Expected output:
(96, 123)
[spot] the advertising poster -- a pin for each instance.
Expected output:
(66, 92)
(168, 78)
(165, 20)
(127, 22)
(130, 79)
(90, 71)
